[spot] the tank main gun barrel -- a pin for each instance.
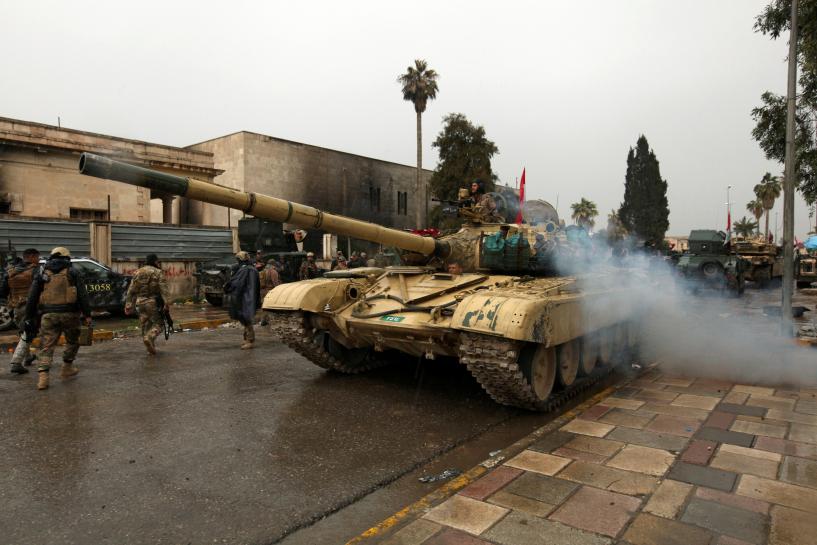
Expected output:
(258, 205)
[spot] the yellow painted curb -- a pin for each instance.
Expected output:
(204, 324)
(107, 335)
(451, 487)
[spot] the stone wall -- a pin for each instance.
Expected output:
(39, 176)
(334, 181)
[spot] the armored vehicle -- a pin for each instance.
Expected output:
(711, 263)
(805, 269)
(254, 234)
(494, 296)
(106, 289)
(763, 261)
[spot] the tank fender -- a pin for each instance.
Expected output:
(551, 321)
(314, 295)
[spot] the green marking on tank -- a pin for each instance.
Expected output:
(389, 318)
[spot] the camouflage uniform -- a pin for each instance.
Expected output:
(147, 285)
(486, 207)
(59, 294)
(308, 270)
(19, 281)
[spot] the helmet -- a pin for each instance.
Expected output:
(242, 256)
(60, 251)
(310, 254)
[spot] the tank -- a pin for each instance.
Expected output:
(763, 261)
(711, 263)
(493, 296)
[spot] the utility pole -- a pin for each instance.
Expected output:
(788, 180)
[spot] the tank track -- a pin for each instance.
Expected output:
(291, 329)
(492, 361)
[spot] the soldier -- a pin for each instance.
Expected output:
(148, 292)
(244, 288)
(308, 267)
(454, 267)
(483, 203)
(59, 294)
(270, 277)
(18, 283)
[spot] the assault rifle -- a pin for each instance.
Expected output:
(167, 319)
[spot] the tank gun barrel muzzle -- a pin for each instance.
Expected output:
(258, 205)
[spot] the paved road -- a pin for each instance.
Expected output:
(211, 444)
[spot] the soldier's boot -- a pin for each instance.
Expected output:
(68, 370)
(42, 380)
(18, 369)
(247, 345)
(150, 345)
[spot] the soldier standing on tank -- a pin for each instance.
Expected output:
(57, 292)
(308, 268)
(149, 294)
(17, 285)
(244, 288)
(484, 203)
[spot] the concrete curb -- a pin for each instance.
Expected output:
(110, 334)
(447, 490)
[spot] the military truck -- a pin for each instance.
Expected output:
(805, 269)
(763, 261)
(711, 263)
(254, 234)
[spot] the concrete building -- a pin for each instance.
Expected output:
(39, 178)
(342, 183)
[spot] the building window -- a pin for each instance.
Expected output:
(402, 203)
(5, 207)
(88, 214)
(374, 198)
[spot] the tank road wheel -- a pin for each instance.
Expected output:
(538, 364)
(606, 344)
(568, 356)
(523, 374)
(589, 355)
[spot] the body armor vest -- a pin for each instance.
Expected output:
(146, 282)
(19, 284)
(58, 290)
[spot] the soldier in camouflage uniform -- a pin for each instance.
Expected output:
(59, 295)
(148, 292)
(18, 283)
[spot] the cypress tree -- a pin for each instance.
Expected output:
(645, 211)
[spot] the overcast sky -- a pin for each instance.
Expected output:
(562, 88)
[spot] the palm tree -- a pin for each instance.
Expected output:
(419, 86)
(744, 227)
(756, 208)
(767, 191)
(583, 213)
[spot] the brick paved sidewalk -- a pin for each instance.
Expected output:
(665, 460)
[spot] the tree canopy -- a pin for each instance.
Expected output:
(645, 210)
(584, 213)
(770, 116)
(419, 85)
(745, 227)
(464, 155)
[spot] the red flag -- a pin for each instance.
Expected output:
(728, 221)
(519, 218)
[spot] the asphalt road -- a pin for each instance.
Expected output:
(209, 444)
